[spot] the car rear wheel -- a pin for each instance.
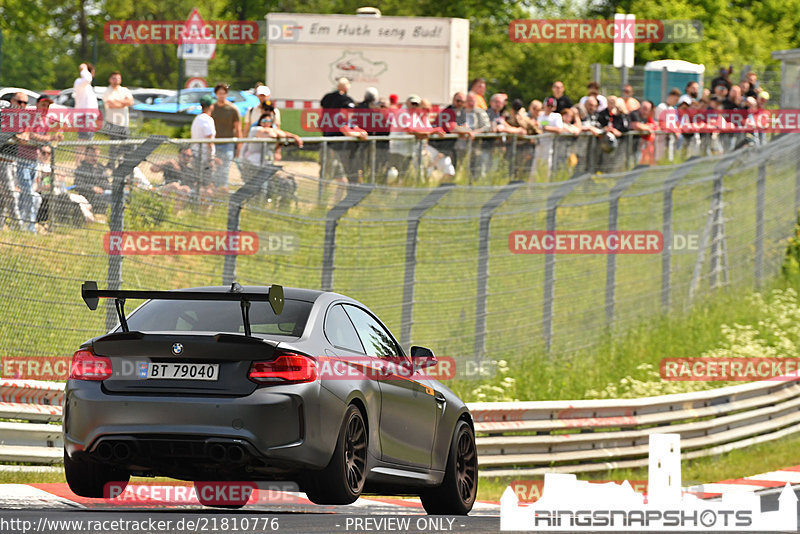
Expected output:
(456, 494)
(89, 479)
(343, 479)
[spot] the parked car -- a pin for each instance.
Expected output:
(7, 93)
(264, 383)
(149, 96)
(190, 102)
(65, 98)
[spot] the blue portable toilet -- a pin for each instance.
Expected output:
(678, 74)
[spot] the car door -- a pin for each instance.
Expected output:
(408, 408)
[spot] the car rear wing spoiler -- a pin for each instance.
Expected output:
(92, 295)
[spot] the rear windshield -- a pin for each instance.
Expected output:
(219, 317)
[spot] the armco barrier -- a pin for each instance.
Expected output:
(516, 438)
(531, 438)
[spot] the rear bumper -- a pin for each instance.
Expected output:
(282, 426)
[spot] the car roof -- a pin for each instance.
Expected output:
(208, 89)
(98, 89)
(152, 90)
(294, 293)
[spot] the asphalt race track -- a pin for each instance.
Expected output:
(45, 508)
(52, 508)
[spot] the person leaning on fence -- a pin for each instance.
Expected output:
(552, 123)
(453, 119)
(644, 122)
(436, 160)
(477, 121)
(520, 120)
(339, 102)
(264, 128)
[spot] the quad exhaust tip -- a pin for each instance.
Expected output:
(113, 450)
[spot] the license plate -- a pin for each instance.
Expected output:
(180, 371)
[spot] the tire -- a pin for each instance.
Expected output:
(456, 494)
(89, 479)
(343, 479)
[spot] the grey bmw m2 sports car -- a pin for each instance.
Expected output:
(261, 383)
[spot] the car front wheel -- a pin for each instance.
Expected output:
(456, 494)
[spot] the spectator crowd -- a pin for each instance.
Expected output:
(605, 117)
(202, 169)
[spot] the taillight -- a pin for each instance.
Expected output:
(87, 366)
(287, 368)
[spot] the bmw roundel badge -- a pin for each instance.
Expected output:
(177, 348)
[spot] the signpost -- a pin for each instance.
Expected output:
(195, 67)
(196, 83)
(194, 51)
(623, 44)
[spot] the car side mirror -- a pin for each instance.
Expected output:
(422, 357)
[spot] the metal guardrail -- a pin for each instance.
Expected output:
(515, 438)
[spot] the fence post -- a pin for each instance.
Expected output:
(596, 73)
(468, 158)
(666, 254)
(591, 155)
(355, 194)
(513, 164)
(483, 262)
(761, 185)
(796, 191)
(235, 203)
(414, 216)
(550, 259)
(420, 166)
(116, 218)
(716, 218)
(611, 259)
(323, 170)
(712, 226)
(373, 150)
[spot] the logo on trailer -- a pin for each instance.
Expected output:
(357, 68)
(177, 348)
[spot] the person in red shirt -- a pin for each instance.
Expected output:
(644, 122)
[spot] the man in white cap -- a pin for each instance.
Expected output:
(254, 113)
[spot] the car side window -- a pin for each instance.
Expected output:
(376, 339)
(339, 330)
